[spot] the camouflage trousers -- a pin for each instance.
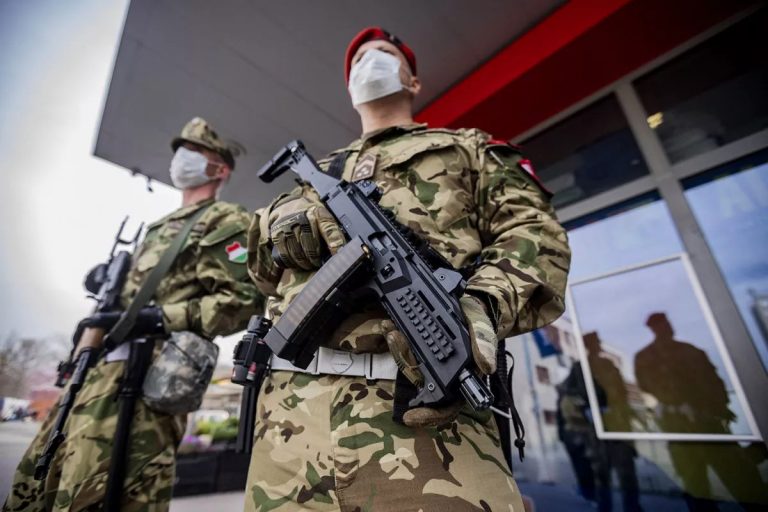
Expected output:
(78, 475)
(329, 443)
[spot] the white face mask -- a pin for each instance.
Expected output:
(188, 169)
(375, 75)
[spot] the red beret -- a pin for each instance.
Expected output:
(374, 34)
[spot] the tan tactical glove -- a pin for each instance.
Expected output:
(484, 343)
(300, 231)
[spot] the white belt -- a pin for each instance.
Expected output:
(338, 362)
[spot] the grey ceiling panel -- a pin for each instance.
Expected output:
(266, 72)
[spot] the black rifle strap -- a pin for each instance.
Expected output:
(498, 380)
(120, 331)
(501, 382)
(336, 168)
(405, 391)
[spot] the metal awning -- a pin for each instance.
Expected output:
(264, 73)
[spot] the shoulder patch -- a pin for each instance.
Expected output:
(527, 167)
(236, 253)
(226, 245)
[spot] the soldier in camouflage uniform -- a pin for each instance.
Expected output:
(207, 292)
(327, 440)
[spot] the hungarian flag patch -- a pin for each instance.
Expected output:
(237, 253)
(527, 166)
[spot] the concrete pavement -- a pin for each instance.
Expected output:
(15, 436)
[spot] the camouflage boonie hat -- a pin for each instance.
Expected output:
(200, 132)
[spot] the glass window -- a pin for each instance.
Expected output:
(590, 152)
(714, 94)
(655, 364)
(568, 467)
(543, 374)
(655, 368)
(637, 231)
(731, 205)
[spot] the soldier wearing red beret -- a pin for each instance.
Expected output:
(329, 437)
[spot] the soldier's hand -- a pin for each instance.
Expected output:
(484, 343)
(301, 232)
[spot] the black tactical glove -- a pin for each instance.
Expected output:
(301, 232)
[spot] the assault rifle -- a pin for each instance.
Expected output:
(417, 287)
(106, 281)
(250, 360)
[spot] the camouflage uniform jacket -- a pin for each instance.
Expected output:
(206, 290)
(476, 204)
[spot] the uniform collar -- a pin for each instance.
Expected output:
(186, 211)
(183, 212)
(390, 131)
(377, 136)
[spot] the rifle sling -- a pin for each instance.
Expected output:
(123, 327)
(336, 167)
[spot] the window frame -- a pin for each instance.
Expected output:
(720, 346)
(666, 179)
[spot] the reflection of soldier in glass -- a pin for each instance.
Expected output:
(575, 430)
(693, 399)
(616, 415)
(692, 396)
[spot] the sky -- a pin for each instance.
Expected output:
(60, 206)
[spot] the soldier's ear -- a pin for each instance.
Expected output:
(414, 87)
(223, 172)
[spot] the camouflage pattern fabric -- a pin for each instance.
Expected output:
(78, 475)
(472, 200)
(207, 292)
(328, 443)
(178, 377)
(200, 132)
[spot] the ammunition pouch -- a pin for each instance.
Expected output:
(180, 374)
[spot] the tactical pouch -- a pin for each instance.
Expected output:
(178, 377)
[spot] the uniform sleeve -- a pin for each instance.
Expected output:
(221, 269)
(523, 266)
